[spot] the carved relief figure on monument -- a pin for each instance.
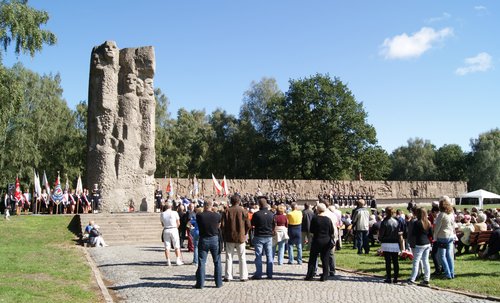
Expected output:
(147, 111)
(111, 53)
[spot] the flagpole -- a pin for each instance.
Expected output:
(34, 190)
(78, 200)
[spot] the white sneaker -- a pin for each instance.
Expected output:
(179, 262)
(168, 263)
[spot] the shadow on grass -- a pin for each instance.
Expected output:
(469, 275)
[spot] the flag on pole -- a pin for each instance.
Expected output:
(225, 187)
(195, 187)
(57, 195)
(66, 186)
(218, 187)
(46, 183)
(170, 188)
(17, 193)
(38, 188)
(79, 186)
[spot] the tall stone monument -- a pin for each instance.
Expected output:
(121, 126)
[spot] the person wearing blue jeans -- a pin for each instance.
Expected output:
(206, 245)
(263, 222)
(195, 235)
(208, 224)
(263, 246)
(361, 223)
(419, 232)
(446, 251)
(444, 232)
(294, 233)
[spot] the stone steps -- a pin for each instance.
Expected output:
(126, 228)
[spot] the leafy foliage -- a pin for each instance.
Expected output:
(484, 172)
(322, 129)
(414, 162)
(37, 130)
(21, 24)
(450, 163)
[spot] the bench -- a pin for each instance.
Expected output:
(480, 240)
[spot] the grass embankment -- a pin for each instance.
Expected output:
(39, 262)
(471, 273)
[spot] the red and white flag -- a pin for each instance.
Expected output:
(170, 188)
(18, 194)
(217, 186)
(225, 187)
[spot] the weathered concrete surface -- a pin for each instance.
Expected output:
(139, 274)
(121, 126)
(309, 189)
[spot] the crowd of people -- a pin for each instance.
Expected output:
(321, 228)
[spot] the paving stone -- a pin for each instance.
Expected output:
(139, 274)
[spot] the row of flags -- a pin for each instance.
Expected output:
(57, 194)
(220, 188)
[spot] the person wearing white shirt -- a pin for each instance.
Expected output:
(170, 221)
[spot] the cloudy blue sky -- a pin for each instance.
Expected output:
(422, 68)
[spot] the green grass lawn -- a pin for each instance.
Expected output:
(39, 262)
(472, 274)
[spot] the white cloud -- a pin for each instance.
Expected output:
(481, 10)
(444, 16)
(405, 47)
(480, 63)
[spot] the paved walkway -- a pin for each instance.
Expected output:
(139, 274)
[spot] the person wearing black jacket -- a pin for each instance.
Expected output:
(263, 222)
(322, 243)
(209, 227)
(389, 235)
(420, 232)
(307, 215)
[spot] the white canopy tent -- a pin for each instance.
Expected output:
(480, 194)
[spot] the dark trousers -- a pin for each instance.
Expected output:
(391, 257)
(460, 246)
(362, 241)
(332, 261)
(435, 259)
(324, 252)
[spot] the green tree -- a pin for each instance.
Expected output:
(450, 163)
(22, 24)
(256, 136)
(164, 126)
(375, 163)
(189, 143)
(38, 129)
(414, 162)
(222, 154)
(484, 171)
(322, 130)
